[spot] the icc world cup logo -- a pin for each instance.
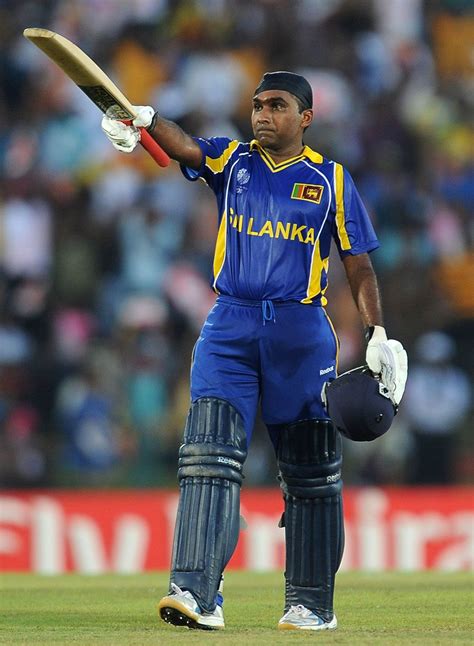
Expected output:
(243, 176)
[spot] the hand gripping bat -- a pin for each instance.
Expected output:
(93, 81)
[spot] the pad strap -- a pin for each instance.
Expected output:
(212, 461)
(310, 459)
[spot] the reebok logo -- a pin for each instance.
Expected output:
(325, 371)
(230, 462)
(334, 478)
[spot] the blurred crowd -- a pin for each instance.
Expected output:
(105, 259)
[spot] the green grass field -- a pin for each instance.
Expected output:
(115, 610)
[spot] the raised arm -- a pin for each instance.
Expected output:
(179, 145)
(172, 139)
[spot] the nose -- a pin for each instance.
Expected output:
(264, 116)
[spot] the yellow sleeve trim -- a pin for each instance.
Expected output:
(217, 164)
(340, 214)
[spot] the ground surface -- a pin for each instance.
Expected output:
(115, 610)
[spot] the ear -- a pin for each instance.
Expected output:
(306, 118)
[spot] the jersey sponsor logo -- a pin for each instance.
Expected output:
(286, 230)
(307, 192)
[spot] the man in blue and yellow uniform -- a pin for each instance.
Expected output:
(268, 340)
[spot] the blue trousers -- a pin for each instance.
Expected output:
(276, 353)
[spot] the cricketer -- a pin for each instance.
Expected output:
(268, 340)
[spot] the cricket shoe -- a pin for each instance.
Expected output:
(301, 618)
(180, 608)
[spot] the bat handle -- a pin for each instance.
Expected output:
(153, 148)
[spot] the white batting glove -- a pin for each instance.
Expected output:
(125, 138)
(387, 359)
(145, 114)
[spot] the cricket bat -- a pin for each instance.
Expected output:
(93, 81)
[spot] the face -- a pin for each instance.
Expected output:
(276, 120)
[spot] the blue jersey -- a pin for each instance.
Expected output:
(276, 221)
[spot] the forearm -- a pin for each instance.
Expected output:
(364, 287)
(385, 357)
(174, 141)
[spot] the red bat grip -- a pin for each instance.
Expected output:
(150, 145)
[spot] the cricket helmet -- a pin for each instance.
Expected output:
(359, 405)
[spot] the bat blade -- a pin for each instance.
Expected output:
(92, 80)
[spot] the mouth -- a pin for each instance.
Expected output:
(265, 131)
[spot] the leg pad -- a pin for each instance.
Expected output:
(210, 474)
(309, 458)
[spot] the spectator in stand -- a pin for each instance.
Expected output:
(436, 405)
(391, 83)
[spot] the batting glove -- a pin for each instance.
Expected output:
(387, 359)
(125, 138)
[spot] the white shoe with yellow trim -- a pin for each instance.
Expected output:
(180, 608)
(301, 618)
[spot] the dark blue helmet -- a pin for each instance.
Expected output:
(359, 405)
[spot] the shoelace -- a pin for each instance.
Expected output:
(300, 610)
(177, 590)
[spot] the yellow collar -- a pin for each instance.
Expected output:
(307, 152)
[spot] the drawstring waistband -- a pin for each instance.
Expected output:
(268, 311)
(267, 306)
